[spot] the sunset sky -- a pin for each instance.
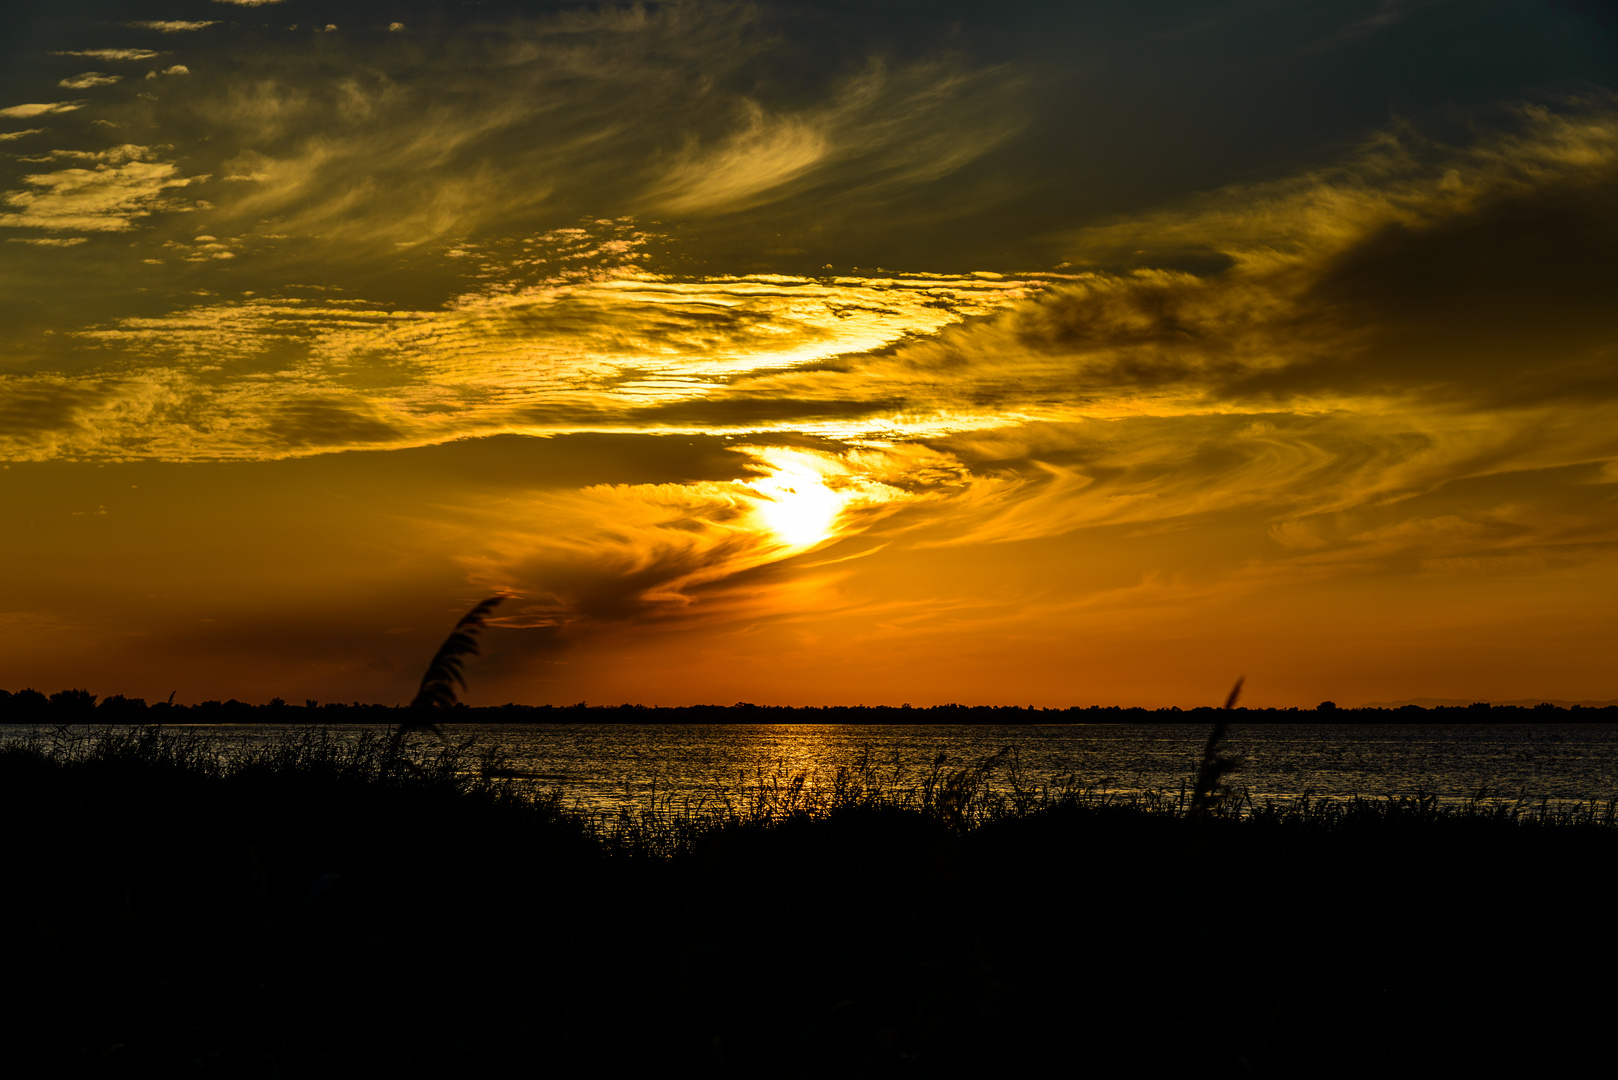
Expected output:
(811, 353)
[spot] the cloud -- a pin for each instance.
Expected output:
(107, 198)
(1416, 324)
(753, 413)
(41, 109)
(114, 155)
(41, 414)
(1305, 480)
(1399, 177)
(248, 3)
(109, 54)
(597, 346)
(483, 130)
(634, 553)
(604, 113)
(1387, 341)
(1309, 378)
(8, 136)
(89, 79)
(320, 423)
(879, 130)
(48, 241)
(1388, 13)
(763, 156)
(1359, 281)
(1403, 360)
(173, 26)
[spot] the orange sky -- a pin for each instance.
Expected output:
(801, 354)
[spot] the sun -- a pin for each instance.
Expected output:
(807, 497)
(797, 506)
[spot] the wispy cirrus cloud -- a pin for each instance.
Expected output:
(487, 131)
(417, 138)
(765, 155)
(890, 129)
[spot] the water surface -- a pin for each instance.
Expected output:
(610, 767)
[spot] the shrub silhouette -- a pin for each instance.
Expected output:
(70, 706)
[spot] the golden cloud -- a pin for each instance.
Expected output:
(41, 108)
(89, 79)
(109, 54)
(173, 26)
(614, 349)
(48, 241)
(107, 198)
(640, 552)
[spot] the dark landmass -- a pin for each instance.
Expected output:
(1523, 703)
(80, 706)
(330, 906)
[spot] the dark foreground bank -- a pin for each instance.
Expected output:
(325, 907)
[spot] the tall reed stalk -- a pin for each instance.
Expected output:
(445, 671)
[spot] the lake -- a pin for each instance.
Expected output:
(605, 768)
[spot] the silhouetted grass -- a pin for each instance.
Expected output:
(348, 903)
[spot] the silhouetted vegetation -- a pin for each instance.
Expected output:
(365, 905)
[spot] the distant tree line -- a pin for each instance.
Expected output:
(82, 707)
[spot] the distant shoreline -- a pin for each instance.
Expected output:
(18, 709)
